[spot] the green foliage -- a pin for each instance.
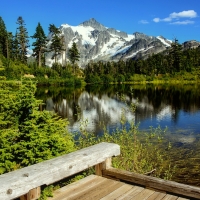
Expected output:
(140, 153)
(106, 78)
(13, 69)
(47, 192)
(137, 78)
(93, 79)
(28, 136)
(120, 78)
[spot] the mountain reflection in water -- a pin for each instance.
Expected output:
(174, 106)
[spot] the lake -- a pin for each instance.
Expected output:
(176, 107)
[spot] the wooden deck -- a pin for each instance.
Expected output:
(108, 183)
(97, 187)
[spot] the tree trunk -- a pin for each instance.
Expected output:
(7, 48)
(74, 68)
(39, 58)
(55, 57)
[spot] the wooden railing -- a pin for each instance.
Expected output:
(25, 183)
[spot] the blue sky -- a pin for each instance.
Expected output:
(169, 18)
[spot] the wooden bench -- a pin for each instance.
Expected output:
(25, 183)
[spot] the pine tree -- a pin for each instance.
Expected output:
(176, 54)
(15, 47)
(56, 43)
(74, 55)
(22, 37)
(3, 38)
(64, 50)
(39, 44)
(9, 45)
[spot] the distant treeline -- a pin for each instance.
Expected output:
(172, 62)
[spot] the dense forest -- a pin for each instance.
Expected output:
(172, 63)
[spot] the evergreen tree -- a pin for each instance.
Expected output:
(3, 38)
(9, 45)
(176, 54)
(74, 55)
(64, 50)
(39, 44)
(15, 47)
(22, 37)
(56, 42)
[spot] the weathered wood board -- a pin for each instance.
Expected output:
(20, 182)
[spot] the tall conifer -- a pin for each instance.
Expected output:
(22, 37)
(40, 44)
(56, 45)
(15, 47)
(3, 38)
(176, 54)
(74, 55)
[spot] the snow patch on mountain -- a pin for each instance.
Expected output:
(164, 41)
(134, 54)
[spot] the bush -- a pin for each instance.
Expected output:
(93, 79)
(120, 78)
(29, 136)
(138, 78)
(107, 78)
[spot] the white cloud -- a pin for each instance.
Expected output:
(167, 19)
(143, 22)
(156, 20)
(183, 14)
(183, 22)
(176, 16)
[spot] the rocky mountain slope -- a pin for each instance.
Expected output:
(97, 42)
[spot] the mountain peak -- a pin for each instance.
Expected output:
(97, 42)
(94, 24)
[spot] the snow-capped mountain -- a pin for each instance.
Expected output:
(97, 42)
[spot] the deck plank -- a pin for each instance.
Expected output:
(157, 196)
(170, 197)
(143, 195)
(78, 187)
(131, 193)
(99, 192)
(118, 192)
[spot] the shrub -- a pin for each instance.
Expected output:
(138, 78)
(29, 136)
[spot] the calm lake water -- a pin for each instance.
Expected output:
(176, 107)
